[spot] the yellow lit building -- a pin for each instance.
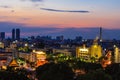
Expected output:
(96, 50)
(87, 53)
(40, 57)
(2, 45)
(116, 55)
(82, 52)
(63, 51)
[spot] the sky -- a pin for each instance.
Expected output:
(57, 16)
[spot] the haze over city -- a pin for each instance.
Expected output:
(59, 40)
(61, 17)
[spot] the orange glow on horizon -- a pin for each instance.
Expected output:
(42, 18)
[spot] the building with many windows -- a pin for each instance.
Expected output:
(116, 55)
(83, 52)
(94, 51)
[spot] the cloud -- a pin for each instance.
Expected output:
(5, 6)
(22, 0)
(2, 17)
(72, 11)
(36, 0)
(25, 19)
(33, 0)
(12, 11)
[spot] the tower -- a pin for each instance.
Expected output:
(13, 34)
(100, 37)
(17, 34)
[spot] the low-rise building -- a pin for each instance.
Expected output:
(83, 52)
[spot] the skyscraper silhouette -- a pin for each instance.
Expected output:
(2, 35)
(13, 34)
(17, 34)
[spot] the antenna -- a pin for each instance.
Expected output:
(100, 37)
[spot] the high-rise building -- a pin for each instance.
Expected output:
(2, 35)
(13, 34)
(17, 34)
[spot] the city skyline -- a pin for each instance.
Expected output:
(68, 33)
(57, 16)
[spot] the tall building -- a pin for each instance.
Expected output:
(18, 34)
(13, 34)
(2, 35)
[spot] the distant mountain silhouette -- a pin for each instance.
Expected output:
(86, 33)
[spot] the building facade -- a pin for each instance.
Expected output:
(95, 50)
(87, 53)
(83, 52)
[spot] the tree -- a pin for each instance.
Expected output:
(13, 75)
(113, 70)
(54, 71)
(95, 75)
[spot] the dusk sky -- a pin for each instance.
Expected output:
(59, 15)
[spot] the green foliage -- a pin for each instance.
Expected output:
(54, 71)
(50, 58)
(75, 63)
(24, 49)
(13, 75)
(21, 60)
(114, 71)
(95, 75)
